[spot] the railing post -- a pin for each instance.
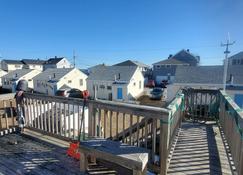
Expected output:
(90, 119)
(241, 158)
(164, 143)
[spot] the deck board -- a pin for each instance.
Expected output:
(199, 150)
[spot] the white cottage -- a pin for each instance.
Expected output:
(2, 73)
(11, 79)
(11, 65)
(56, 62)
(49, 81)
(119, 83)
(33, 64)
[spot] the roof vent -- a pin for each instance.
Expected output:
(188, 50)
(54, 75)
(16, 75)
(55, 56)
(119, 76)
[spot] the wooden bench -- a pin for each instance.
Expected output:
(130, 157)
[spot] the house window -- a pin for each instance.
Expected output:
(234, 62)
(134, 84)
(158, 66)
(17, 66)
(168, 66)
(69, 81)
(102, 86)
(81, 82)
(108, 87)
(241, 61)
(140, 84)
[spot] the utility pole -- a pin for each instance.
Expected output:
(74, 59)
(226, 62)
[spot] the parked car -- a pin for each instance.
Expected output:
(74, 93)
(156, 94)
(150, 84)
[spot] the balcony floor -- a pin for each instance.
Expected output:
(200, 150)
(33, 157)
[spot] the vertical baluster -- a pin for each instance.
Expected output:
(117, 115)
(74, 122)
(111, 114)
(105, 117)
(137, 130)
(123, 127)
(210, 106)
(206, 106)
(34, 111)
(69, 121)
(38, 113)
(52, 118)
(130, 129)
(99, 123)
(84, 124)
(65, 122)
(146, 132)
(49, 116)
(31, 112)
(41, 114)
(11, 113)
(153, 134)
(61, 118)
(45, 115)
(79, 120)
(6, 114)
(56, 117)
(94, 120)
(27, 114)
(200, 106)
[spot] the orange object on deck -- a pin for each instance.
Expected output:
(73, 150)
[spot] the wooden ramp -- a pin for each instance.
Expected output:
(200, 150)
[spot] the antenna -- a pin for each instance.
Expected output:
(226, 52)
(74, 59)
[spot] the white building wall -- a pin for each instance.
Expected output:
(10, 67)
(36, 67)
(136, 85)
(64, 63)
(71, 79)
(101, 93)
(124, 92)
(2, 73)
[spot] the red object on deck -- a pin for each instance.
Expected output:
(73, 150)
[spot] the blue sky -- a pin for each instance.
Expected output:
(109, 31)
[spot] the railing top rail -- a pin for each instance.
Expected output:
(154, 112)
(8, 96)
(201, 90)
(232, 104)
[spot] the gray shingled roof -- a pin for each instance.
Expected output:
(171, 61)
(13, 61)
(17, 73)
(207, 74)
(131, 63)
(33, 61)
(108, 73)
(237, 56)
(53, 60)
(55, 74)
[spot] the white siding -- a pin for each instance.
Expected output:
(64, 63)
(2, 73)
(101, 93)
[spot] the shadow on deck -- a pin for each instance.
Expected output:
(200, 150)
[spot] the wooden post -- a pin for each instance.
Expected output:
(6, 115)
(164, 142)
(91, 119)
(83, 162)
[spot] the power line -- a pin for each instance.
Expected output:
(226, 52)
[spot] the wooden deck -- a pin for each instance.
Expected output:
(33, 157)
(200, 150)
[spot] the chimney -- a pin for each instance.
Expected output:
(55, 56)
(119, 76)
(170, 56)
(54, 75)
